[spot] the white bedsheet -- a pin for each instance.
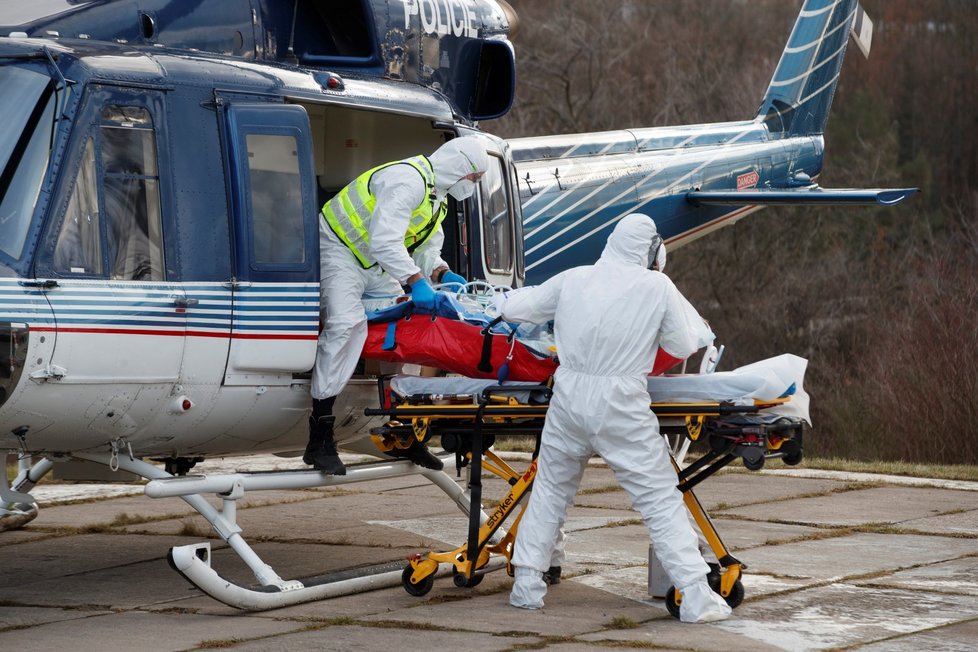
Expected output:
(767, 379)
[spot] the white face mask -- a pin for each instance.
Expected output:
(463, 189)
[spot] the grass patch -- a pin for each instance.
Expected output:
(621, 622)
(626, 522)
(377, 624)
(216, 643)
(180, 611)
(941, 471)
(14, 628)
(193, 529)
(320, 623)
(606, 489)
(630, 645)
(544, 643)
(515, 444)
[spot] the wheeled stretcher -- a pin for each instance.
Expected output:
(470, 414)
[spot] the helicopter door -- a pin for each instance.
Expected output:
(117, 318)
(499, 229)
(275, 292)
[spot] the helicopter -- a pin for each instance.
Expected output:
(162, 168)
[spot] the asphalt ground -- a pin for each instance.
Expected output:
(835, 561)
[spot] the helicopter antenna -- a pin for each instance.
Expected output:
(290, 53)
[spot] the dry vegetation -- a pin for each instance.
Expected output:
(883, 302)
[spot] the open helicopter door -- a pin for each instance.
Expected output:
(275, 291)
(498, 236)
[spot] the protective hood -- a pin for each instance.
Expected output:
(455, 159)
(631, 240)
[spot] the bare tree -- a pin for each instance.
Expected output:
(881, 301)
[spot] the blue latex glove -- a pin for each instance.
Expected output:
(452, 277)
(423, 295)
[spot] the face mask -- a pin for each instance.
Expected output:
(462, 190)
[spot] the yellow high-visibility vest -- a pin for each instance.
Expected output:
(348, 213)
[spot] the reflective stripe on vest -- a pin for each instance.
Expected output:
(348, 213)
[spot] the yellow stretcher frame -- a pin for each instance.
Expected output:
(495, 413)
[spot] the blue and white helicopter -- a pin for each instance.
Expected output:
(162, 166)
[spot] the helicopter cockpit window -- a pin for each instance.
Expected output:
(276, 199)
(79, 248)
(497, 227)
(27, 114)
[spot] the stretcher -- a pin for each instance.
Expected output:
(459, 336)
(469, 415)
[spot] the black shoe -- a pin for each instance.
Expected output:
(419, 454)
(321, 450)
(552, 576)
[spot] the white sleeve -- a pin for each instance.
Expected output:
(399, 189)
(683, 331)
(536, 304)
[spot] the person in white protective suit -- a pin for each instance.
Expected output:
(382, 231)
(609, 320)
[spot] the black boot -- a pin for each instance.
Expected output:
(321, 450)
(419, 454)
(552, 576)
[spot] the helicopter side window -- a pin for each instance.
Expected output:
(129, 213)
(276, 199)
(131, 190)
(497, 228)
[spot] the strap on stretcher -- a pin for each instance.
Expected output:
(390, 339)
(485, 366)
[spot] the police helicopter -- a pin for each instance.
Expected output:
(162, 168)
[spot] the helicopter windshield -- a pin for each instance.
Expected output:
(27, 108)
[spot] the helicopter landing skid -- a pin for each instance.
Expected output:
(271, 592)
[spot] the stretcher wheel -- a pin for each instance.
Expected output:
(671, 602)
(736, 595)
(792, 458)
(463, 582)
(791, 453)
(720, 445)
(419, 589)
(754, 464)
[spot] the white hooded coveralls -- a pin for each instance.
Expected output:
(609, 319)
(398, 189)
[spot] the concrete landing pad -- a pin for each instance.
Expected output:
(833, 561)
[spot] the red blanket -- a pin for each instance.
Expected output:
(457, 346)
(454, 346)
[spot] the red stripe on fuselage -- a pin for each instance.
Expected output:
(708, 225)
(116, 331)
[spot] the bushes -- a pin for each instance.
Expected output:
(882, 301)
(922, 376)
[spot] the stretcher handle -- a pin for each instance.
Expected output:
(508, 390)
(485, 365)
